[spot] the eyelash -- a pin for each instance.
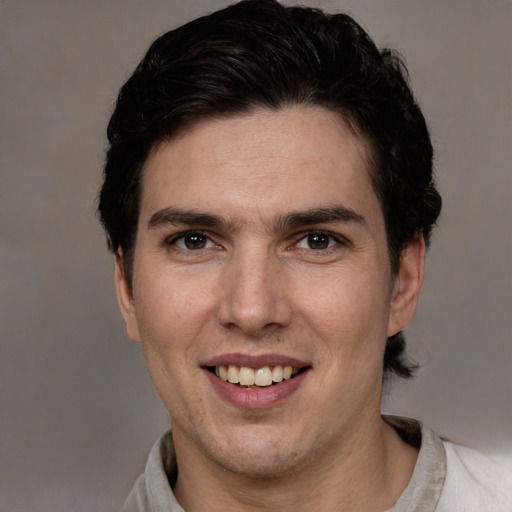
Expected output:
(333, 241)
(173, 241)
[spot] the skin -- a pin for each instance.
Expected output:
(253, 280)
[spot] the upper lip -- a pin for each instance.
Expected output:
(255, 361)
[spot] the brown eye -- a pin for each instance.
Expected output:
(318, 241)
(193, 241)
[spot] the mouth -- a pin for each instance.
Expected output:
(256, 382)
(255, 378)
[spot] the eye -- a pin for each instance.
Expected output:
(193, 241)
(317, 241)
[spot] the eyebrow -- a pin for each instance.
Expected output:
(324, 215)
(293, 220)
(180, 217)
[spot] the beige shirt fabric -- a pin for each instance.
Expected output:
(447, 477)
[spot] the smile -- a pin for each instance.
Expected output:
(255, 377)
(256, 381)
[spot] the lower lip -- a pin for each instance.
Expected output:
(260, 398)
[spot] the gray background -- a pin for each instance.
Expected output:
(78, 412)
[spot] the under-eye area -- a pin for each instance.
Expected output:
(243, 376)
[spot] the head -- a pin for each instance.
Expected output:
(258, 55)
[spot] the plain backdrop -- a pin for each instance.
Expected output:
(78, 412)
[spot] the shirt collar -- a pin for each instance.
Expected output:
(421, 494)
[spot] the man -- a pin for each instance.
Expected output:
(268, 195)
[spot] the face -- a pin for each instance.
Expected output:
(262, 291)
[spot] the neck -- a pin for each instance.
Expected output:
(367, 471)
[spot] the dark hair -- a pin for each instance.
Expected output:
(260, 54)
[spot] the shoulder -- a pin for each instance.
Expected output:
(452, 478)
(474, 482)
(152, 491)
(137, 500)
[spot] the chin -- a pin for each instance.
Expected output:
(259, 455)
(262, 466)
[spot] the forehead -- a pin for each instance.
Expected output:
(266, 162)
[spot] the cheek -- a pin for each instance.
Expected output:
(172, 315)
(171, 311)
(351, 316)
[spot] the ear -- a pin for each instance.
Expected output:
(408, 281)
(125, 298)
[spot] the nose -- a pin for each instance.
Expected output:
(254, 295)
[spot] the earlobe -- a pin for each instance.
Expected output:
(125, 298)
(408, 282)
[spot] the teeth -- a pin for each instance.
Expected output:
(277, 374)
(263, 376)
(222, 372)
(233, 374)
(246, 376)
